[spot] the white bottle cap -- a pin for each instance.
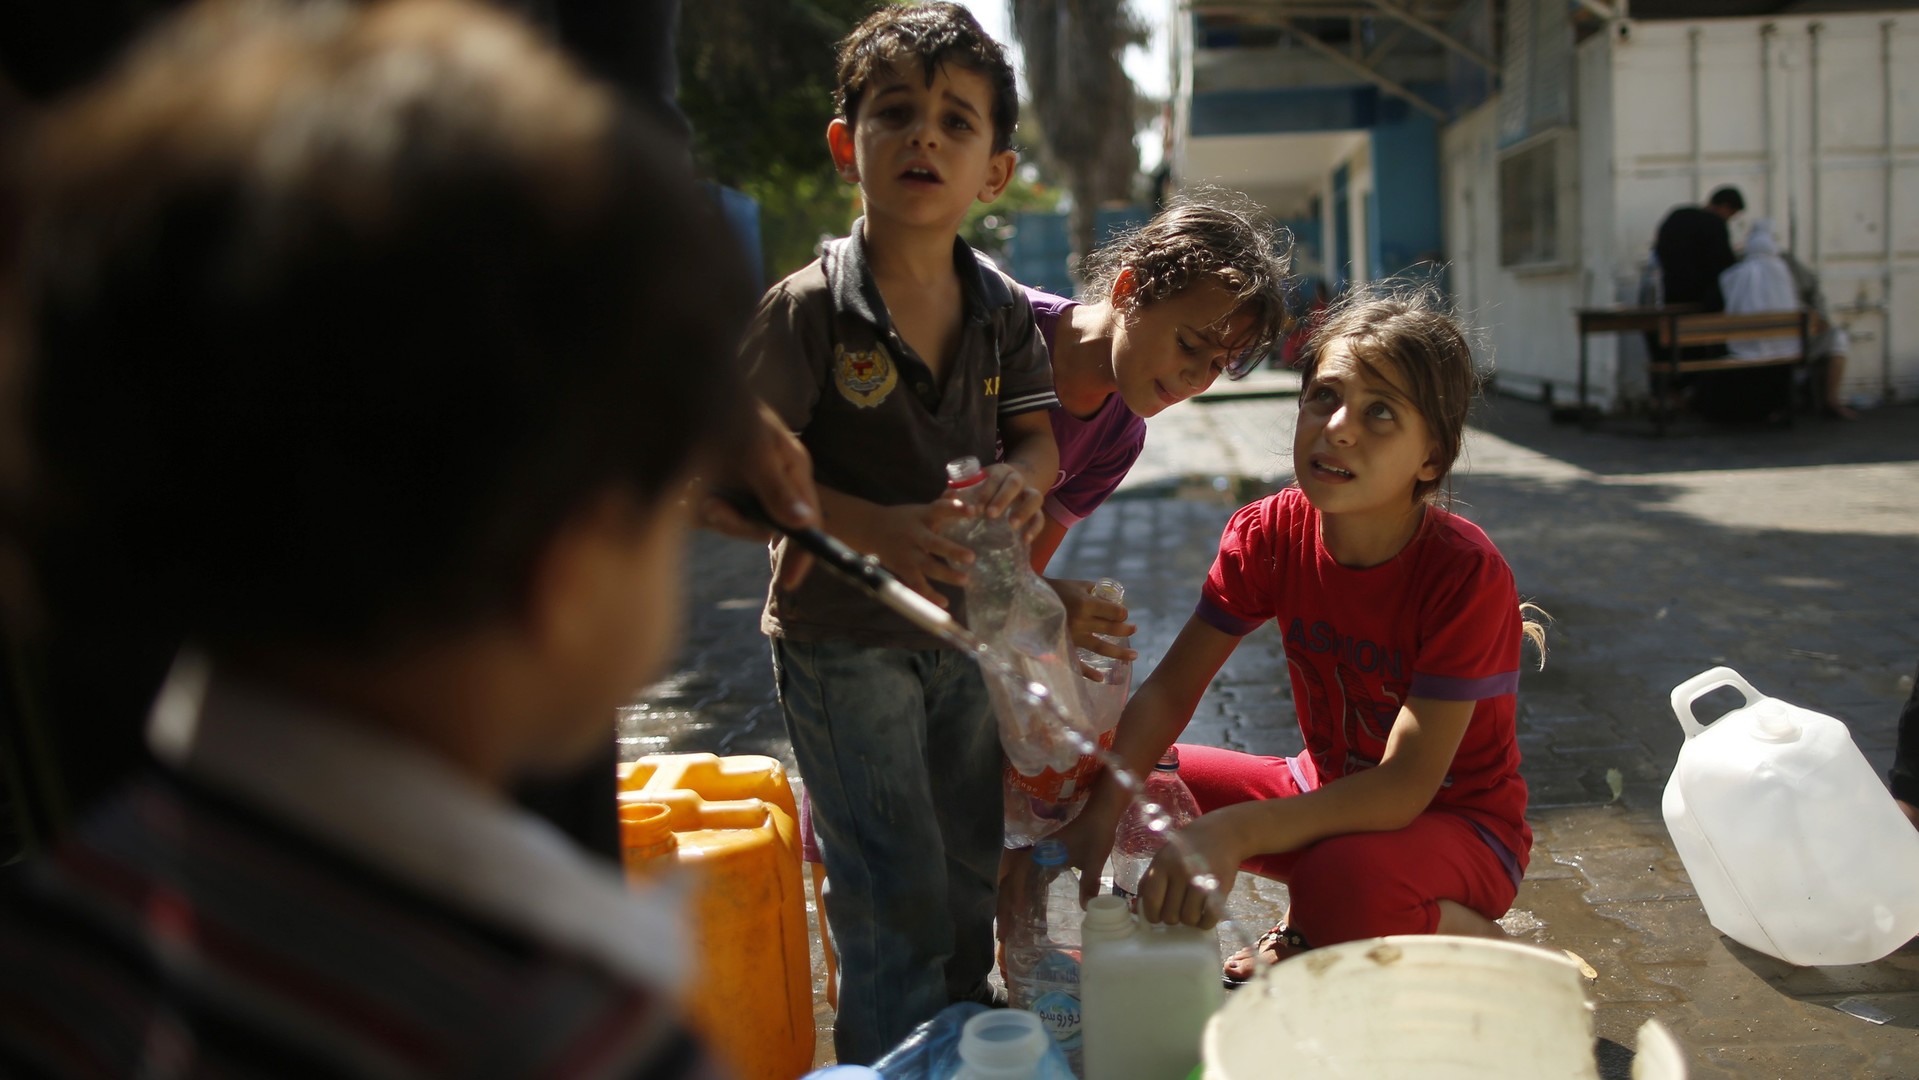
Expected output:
(1003, 1043)
(1107, 918)
(963, 471)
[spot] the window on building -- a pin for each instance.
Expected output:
(1538, 202)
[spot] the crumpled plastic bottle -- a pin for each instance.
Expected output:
(1012, 609)
(1135, 841)
(1036, 806)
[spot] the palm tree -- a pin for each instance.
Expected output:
(1084, 98)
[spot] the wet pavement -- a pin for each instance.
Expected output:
(1786, 554)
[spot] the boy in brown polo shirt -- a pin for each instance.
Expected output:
(897, 351)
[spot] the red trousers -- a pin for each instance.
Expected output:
(1358, 885)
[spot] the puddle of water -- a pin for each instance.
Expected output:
(648, 728)
(1522, 923)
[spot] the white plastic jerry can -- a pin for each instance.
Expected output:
(1146, 993)
(1796, 848)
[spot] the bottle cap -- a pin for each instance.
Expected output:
(1003, 1042)
(1107, 916)
(1169, 761)
(1049, 853)
(963, 472)
(1108, 589)
(1772, 723)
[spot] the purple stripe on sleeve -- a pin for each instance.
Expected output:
(1058, 512)
(1225, 621)
(1442, 688)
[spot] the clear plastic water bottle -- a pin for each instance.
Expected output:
(1042, 946)
(1010, 607)
(1036, 806)
(1107, 697)
(1136, 841)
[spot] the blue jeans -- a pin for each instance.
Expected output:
(901, 758)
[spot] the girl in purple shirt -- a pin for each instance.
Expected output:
(1193, 294)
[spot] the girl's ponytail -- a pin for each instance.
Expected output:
(1534, 628)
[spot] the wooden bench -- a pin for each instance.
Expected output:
(1676, 329)
(1719, 328)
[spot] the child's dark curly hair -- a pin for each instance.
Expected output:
(1207, 235)
(934, 34)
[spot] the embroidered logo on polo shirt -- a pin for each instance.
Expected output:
(864, 378)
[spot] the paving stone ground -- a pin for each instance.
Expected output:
(1789, 555)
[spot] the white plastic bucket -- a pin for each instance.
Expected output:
(1421, 1006)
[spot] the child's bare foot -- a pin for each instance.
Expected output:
(1274, 945)
(1911, 812)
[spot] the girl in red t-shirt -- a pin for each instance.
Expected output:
(1406, 812)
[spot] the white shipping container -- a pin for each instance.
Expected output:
(1815, 119)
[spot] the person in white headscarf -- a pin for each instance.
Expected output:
(1767, 279)
(1759, 281)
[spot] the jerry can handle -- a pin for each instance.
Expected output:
(1699, 686)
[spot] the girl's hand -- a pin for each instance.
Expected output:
(1167, 892)
(1088, 617)
(1008, 495)
(1089, 839)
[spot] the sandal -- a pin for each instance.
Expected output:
(1281, 942)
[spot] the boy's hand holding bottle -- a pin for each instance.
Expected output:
(908, 539)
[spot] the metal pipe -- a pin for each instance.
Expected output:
(1792, 144)
(1254, 9)
(1407, 18)
(1384, 83)
(1817, 163)
(1892, 169)
(1766, 34)
(1698, 110)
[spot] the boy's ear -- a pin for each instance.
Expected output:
(999, 173)
(839, 143)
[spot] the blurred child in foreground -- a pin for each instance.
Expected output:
(389, 345)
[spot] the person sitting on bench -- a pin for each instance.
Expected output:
(1759, 282)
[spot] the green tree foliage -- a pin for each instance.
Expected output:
(756, 80)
